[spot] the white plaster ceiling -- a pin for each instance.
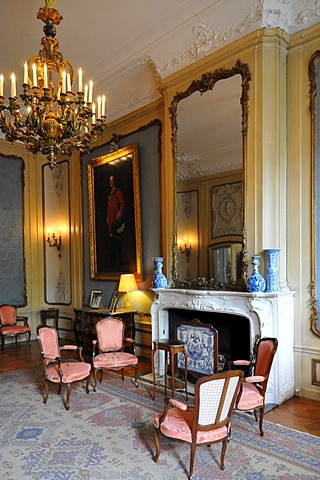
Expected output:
(128, 46)
(113, 40)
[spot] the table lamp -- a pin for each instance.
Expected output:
(127, 284)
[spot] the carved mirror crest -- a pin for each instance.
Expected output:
(209, 123)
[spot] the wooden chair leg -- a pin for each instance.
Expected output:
(95, 379)
(261, 421)
(157, 442)
(67, 405)
(46, 390)
(223, 452)
(122, 374)
(192, 456)
(87, 384)
(136, 375)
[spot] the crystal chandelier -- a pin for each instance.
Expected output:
(51, 117)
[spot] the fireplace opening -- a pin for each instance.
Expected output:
(233, 330)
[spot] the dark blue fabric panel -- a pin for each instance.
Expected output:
(12, 265)
(148, 140)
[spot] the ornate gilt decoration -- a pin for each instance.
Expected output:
(204, 84)
(312, 108)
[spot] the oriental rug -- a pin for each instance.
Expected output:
(108, 434)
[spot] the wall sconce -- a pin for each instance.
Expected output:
(185, 248)
(127, 284)
(55, 241)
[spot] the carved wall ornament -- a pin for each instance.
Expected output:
(57, 178)
(226, 210)
(187, 204)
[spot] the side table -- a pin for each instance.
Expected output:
(173, 347)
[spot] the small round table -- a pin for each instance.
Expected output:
(171, 346)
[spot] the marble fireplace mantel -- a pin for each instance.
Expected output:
(269, 315)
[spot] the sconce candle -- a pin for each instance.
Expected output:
(55, 241)
(185, 248)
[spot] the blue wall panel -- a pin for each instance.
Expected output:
(12, 265)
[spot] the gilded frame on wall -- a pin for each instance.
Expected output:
(114, 215)
(314, 108)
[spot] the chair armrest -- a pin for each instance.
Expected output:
(242, 362)
(180, 405)
(73, 348)
(255, 379)
(51, 357)
(69, 347)
(22, 318)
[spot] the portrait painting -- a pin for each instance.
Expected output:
(114, 214)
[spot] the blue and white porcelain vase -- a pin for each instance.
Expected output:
(159, 279)
(256, 282)
(272, 270)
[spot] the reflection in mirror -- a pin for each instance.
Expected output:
(314, 79)
(225, 262)
(209, 129)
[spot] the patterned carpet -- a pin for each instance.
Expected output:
(109, 435)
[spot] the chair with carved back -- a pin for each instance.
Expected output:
(205, 422)
(254, 387)
(201, 345)
(13, 325)
(108, 349)
(59, 370)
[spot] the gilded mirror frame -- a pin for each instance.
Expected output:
(202, 85)
(312, 72)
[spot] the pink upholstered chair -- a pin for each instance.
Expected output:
(9, 324)
(108, 349)
(60, 370)
(207, 421)
(253, 388)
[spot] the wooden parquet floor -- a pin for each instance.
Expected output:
(297, 413)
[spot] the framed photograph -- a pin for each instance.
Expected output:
(114, 301)
(95, 298)
(114, 215)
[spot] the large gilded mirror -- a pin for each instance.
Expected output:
(209, 124)
(314, 79)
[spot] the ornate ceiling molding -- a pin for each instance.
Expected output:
(191, 166)
(290, 15)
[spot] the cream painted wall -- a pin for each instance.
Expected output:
(34, 230)
(277, 176)
(307, 345)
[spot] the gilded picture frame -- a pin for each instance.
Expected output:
(114, 215)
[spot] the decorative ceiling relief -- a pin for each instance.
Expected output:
(189, 167)
(153, 41)
(289, 15)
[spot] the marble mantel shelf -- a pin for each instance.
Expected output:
(270, 314)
